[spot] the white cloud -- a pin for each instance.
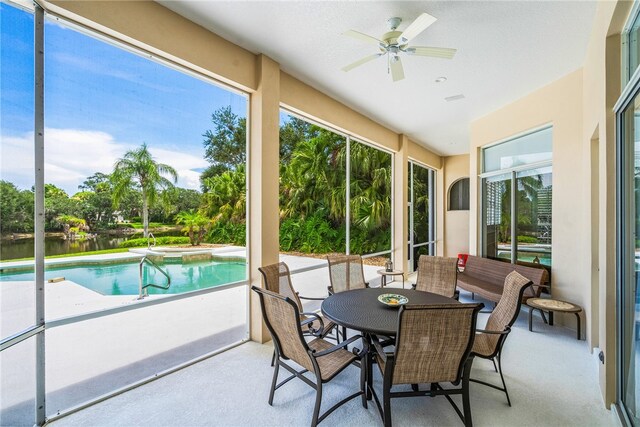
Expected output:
(183, 163)
(71, 155)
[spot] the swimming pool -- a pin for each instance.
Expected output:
(122, 278)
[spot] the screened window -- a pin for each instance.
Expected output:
(459, 195)
(335, 197)
(133, 146)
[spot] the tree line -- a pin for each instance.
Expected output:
(313, 188)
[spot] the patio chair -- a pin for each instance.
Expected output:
(345, 273)
(278, 279)
(490, 340)
(318, 356)
(438, 275)
(433, 346)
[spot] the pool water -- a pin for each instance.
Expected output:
(122, 279)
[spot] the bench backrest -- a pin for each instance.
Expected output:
(495, 271)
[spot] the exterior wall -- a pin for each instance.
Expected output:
(580, 108)
(601, 90)
(456, 223)
(558, 104)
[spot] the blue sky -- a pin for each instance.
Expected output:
(100, 101)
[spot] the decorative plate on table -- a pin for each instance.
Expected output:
(393, 300)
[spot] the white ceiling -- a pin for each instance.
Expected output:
(506, 49)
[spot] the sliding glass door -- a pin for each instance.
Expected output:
(422, 235)
(629, 261)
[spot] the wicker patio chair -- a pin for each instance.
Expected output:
(318, 356)
(490, 340)
(438, 275)
(278, 279)
(346, 273)
(433, 345)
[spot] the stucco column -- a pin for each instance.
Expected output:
(263, 207)
(400, 200)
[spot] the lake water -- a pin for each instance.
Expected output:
(24, 248)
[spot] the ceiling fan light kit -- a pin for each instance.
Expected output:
(395, 43)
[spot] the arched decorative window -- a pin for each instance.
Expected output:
(459, 195)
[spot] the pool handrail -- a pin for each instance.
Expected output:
(149, 237)
(143, 288)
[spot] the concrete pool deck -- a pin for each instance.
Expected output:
(92, 357)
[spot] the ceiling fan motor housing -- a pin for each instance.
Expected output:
(391, 39)
(394, 23)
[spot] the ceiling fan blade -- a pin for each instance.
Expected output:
(436, 52)
(397, 72)
(361, 61)
(416, 27)
(363, 37)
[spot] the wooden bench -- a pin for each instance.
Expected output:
(485, 277)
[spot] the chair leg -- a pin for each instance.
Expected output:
(363, 379)
(494, 364)
(274, 382)
(386, 397)
(316, 408)
(273, 358)
(504, 385)
(466, 404)
(415, 387)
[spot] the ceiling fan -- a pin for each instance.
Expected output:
(394, 43)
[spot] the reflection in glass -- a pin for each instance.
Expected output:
(630, 328)
(534, 195)
(634, 46)
(497, 217)
(530, 148)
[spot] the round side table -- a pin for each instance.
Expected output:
(384, 273)
(553, 305)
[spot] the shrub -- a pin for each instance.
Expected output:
(164, 240)
(527, 239)
(314, 234)
(228, 233)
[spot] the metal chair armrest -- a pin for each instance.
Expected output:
(310, 298)
(379, 349)
(343, 344)
(313, 317)
(505, 332)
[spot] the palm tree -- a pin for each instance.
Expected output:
(138, 169)
(194, 222)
